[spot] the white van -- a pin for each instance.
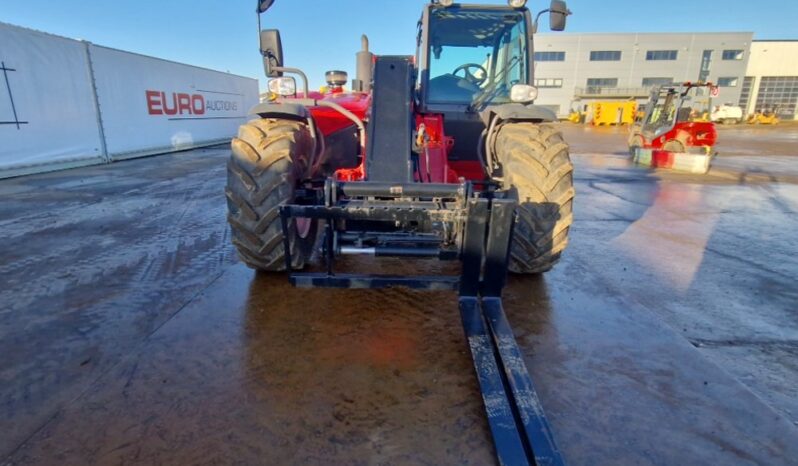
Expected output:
(727, 114)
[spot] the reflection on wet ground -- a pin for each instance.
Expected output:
(667, 335)
(254, 371)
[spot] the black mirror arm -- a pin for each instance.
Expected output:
(268, 56)
(537, 19)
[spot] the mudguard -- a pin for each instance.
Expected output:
(281, 110)
(518, 112)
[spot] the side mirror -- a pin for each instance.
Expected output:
(271, 47)
(264, 5)
(558, 14)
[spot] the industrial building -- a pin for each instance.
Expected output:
(573, 70)
(771, 81)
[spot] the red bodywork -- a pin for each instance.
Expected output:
(691, 134)
(434, 163)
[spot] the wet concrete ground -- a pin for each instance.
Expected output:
(129, 333)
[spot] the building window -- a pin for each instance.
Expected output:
(662, 55)
(598, 85)
(745, 93)
(605, 55)
(651, 82)
(778, 94)
(548, 82)
(549, 56)
(727, 82)
(602, 82)
(706, 65)
(733, 54)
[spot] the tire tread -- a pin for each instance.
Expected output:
(537, 168)
(267, 161)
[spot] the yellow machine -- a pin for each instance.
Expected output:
(763, 118)
(701, 110)
(614, 113)
(700, 117)
(577, 117)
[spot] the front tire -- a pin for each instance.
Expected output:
(269, 157)
(674, 146)
(536, 170)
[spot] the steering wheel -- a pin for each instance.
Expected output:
(471, 77)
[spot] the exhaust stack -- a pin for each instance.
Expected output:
(365, 68)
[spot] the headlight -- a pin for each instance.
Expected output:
(517, 3)
(446, 3)
(285, 86)
(523, 93)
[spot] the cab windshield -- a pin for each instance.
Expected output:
(663, 113)
(476, 56)
(672, 106)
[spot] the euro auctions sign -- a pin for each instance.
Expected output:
(199, 105)
(151, 105)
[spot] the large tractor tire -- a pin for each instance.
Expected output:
(269, 158)
(536, 169)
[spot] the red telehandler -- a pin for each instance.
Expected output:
(442, 155)
(668, 135)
